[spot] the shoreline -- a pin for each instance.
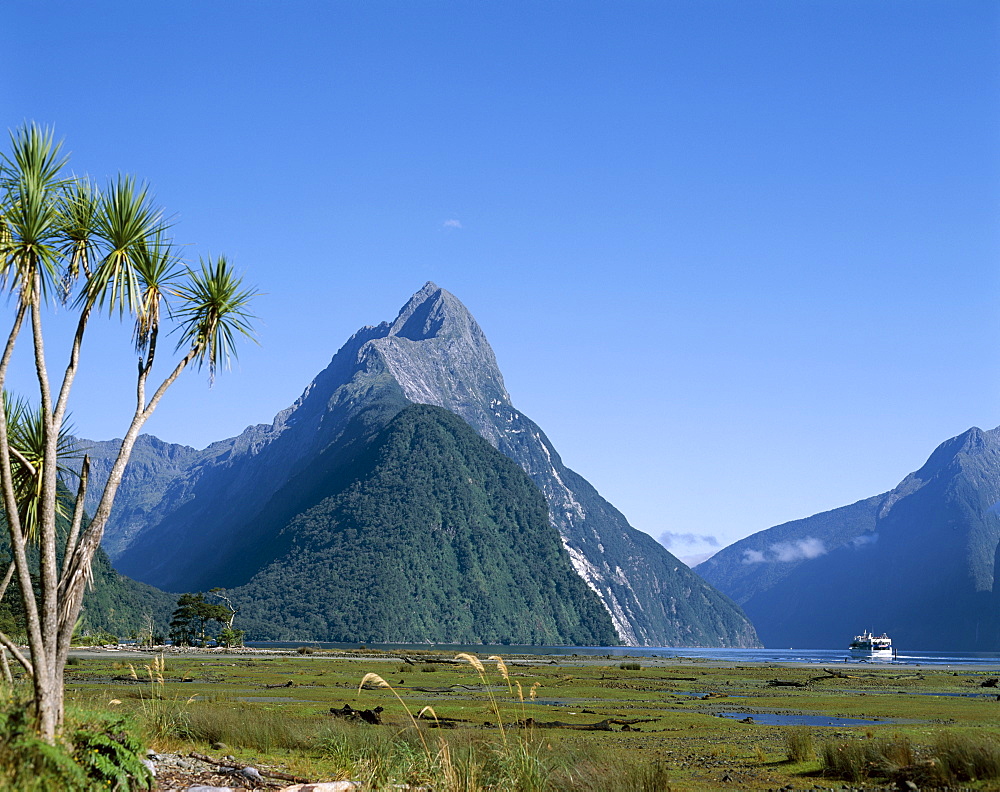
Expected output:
(515, 658)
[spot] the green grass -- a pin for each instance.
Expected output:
(236, 700)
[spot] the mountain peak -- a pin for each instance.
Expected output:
(435, 347)
(433, 312)
(970, 443)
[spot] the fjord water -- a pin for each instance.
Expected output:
(776, 656)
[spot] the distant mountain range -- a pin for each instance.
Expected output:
(298, 505)
(921, 562)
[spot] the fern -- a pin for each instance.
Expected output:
(112, 756)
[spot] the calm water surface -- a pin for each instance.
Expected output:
(818, 656)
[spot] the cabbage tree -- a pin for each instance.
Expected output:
(99, 253)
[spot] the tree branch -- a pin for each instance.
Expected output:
(81, 494)
(74, 363)
(24, 661)
(7, 675)
(47, 562)
(78, 569)
(24, 461)
(9, 348)
(17, 538)
(6, 580)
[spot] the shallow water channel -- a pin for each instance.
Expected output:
(799, 719)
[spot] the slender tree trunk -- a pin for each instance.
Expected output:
(77, 569)
(48, 696)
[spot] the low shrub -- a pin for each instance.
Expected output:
(241, 726)
(630, 666)
(99, 638)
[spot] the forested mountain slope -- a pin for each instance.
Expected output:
(207, 517)
(434, 536)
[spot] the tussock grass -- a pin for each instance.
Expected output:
(953, 758)
(468, 762)
(799, 745)
(856, 760)
(967, 757)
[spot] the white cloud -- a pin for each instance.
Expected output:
(800, 550)
(864, 539)
(452, 224)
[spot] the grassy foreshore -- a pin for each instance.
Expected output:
(557, 722)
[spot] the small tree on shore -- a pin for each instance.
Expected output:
(189, 624)
(64, 241)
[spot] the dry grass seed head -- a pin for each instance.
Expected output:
(472, 660)
(533, 693)
(520, 690)
(372, 679)
(430, 710)
(501, 666)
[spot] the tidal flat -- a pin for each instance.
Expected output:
(580, 722)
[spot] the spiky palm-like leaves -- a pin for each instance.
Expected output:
(214, 313)
(126, 223)
(80, 205)
(26, 440)
(157, 267)
(30, 191)
(102, 252)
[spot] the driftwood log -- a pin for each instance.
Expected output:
(348, 713)
(436, 721)
(603, 725)
(830, 674)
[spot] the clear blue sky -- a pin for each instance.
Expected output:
(738, 259)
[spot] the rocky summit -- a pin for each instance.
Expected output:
(190, 520)
(920, 562)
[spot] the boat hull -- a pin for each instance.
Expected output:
(870, 652)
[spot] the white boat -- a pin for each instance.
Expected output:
(868, 645)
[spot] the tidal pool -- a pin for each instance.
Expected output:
(798, 719)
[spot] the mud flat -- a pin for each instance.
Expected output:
(703, 720)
